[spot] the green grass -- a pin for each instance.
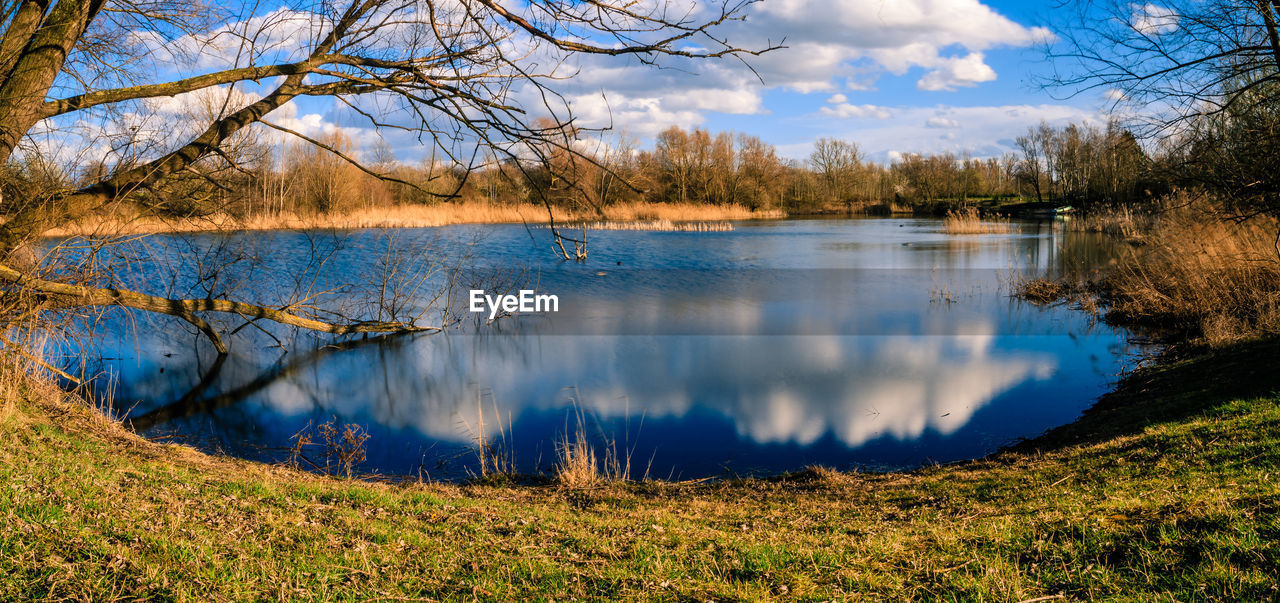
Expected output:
(1168, 489)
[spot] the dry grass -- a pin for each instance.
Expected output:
(968, 221)
(662, 225)
(1042, 290)
(579, 466)
(1120, 221)
(1200, 273)
(576, 465)
(1189, 270)
(414, 216)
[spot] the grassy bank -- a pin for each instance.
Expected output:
(414, 216)
(1166, 489)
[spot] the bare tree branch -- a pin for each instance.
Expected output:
(187, 309)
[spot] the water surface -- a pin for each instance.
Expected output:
(870, 343)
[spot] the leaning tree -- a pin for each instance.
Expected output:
(471, 78)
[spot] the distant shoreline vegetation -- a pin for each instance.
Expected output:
(687, 176)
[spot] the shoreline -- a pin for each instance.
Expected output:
(418, 216)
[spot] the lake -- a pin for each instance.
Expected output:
(878, 343)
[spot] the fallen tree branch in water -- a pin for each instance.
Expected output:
(187, 309)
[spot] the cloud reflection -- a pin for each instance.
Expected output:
(773, 389)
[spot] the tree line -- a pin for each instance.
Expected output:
(1074, 164)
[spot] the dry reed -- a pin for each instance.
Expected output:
(496, 454)
(969, 221)
(1120, 221)
(662, 225)
(1042, 290)
(577, 463)
(1201, 273)
(415, 216)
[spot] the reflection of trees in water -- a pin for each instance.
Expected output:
(1062, 251)
(371, 377)
(211, 393)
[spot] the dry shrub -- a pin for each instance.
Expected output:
(970, 221)
(343, 447)
(1204, 274)
(1087, 303)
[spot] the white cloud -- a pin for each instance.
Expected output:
(954, 73)
(895, 36)
(642, 116)
(846, 111)
(988, 130)
(832, 45)
(1115, 95)
(1153, 20)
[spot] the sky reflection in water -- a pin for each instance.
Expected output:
(776, 346)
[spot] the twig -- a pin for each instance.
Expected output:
(1044, 598)
(1069, 476)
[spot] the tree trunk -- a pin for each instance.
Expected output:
(187, 309)
(37, 64)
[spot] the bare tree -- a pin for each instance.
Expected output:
(677, 162)
(463, 76)
(761, 173)
(1202, 74)
(1031, 167)
(837, 161)
(1174, 60)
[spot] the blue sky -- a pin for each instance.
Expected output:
(898, 111)
(894, 76)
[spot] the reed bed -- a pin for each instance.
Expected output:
(420, 216)
(661, 225)
(968, 221)
(1120, 221)
(685, 212)
(1199, 272)
(1189, 268)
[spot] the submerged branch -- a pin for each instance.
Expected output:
(187, 309)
